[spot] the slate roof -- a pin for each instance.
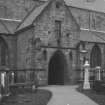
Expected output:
(3, 28)
(11, 26)
(92, 36)
(28, 20)
(8, 27)
(96, 5)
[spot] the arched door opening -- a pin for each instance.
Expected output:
(57, 66)
(95, 58)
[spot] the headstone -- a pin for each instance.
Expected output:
(98, 73)
(0, 96)
(33, 87)
(3, 79)
(86, 84)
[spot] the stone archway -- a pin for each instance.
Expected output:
(57, 68)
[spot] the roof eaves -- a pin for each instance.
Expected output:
(23, 29)
(92, 30)
(43, 9)
(92, 42)
(11, 20)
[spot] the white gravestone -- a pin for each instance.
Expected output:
(98, 76)
(86, 84)
(3, 79)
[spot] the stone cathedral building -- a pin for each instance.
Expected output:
(51, 36)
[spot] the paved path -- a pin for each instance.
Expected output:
(67, 95)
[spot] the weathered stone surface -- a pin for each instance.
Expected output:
(44, 28)
(25, 52)
(24, 49)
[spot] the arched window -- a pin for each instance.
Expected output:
(3, 53)
(95, 57)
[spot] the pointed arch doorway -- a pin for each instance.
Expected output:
(57, 68)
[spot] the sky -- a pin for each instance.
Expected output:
(96, 5)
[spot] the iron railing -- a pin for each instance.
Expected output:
(93, 73)
(10, 77)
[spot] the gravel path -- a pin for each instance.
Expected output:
(67, 95)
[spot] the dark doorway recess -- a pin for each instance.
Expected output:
(57, 66)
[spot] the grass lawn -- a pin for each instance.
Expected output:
(99, 98)
(28, 97)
